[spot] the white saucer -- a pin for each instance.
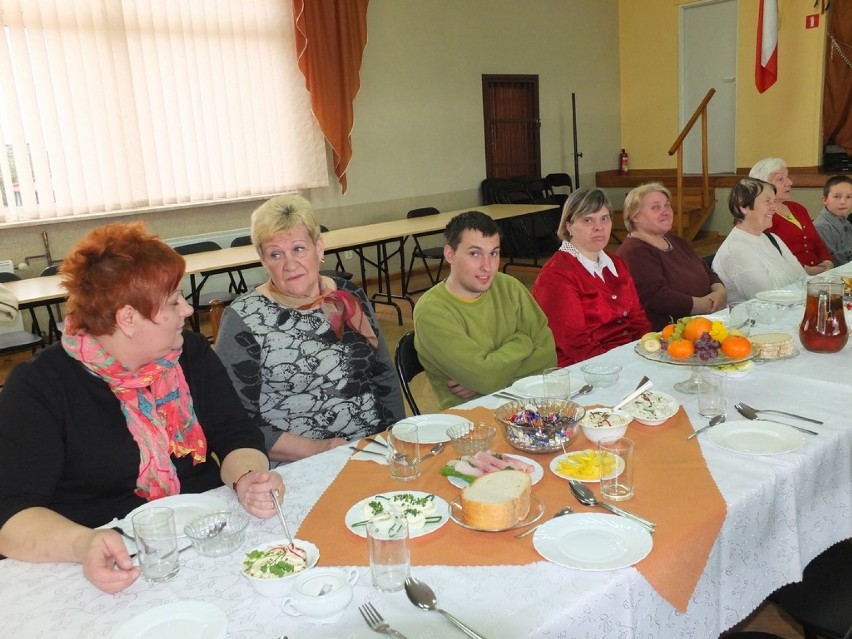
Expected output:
(179, 620)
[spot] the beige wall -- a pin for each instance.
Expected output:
(785, 121)
(418, 135)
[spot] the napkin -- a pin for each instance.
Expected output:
(375, 448)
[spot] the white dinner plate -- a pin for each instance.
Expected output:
(356, 514)
(179, 620)
(533, 386)
(781, 296)
(535, 476)
(619, 467)
(187, 507)
(756, 437)
(535, 513)
(592, 541)
(432, 429)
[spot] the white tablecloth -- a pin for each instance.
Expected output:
(783, 510)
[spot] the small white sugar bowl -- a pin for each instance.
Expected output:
(321, 593)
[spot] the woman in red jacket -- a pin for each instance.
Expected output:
(792, 222)
(587, 293)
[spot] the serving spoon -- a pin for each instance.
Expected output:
(422, 596)
(585, 496)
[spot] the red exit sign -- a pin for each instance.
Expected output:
(812, 21)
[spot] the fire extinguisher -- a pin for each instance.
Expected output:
(623, 162)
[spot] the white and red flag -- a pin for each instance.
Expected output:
(766, 63)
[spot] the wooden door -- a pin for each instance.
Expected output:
(512, 143)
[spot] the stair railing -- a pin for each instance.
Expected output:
(677, 147)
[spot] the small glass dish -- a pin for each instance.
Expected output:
(218, 533)
(601, 375)
(469, 439)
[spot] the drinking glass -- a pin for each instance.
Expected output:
(404, 451)
(712, 399)
(390, 557)
(556, 383)
(156, 543)
(616, 485)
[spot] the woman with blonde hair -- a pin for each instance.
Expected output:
(587, 293)
(792, 222)
(304, 351)
(128, 408)
(671, 279)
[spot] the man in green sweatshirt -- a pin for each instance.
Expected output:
(479, 330)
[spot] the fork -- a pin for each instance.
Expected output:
(377, 622)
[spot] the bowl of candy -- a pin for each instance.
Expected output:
(540, 426)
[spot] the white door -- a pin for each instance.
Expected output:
(708, 59)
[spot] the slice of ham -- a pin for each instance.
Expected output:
(485, 461)
(508, 461)
(467, 468)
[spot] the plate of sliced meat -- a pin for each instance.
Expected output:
(462, 471)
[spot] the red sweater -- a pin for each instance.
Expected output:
(804, 243)
(588, 316)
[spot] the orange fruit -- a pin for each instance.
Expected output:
(668, 330)
(694, 327)
(680, 348)
(735, 346)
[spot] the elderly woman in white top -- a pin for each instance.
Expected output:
(750, 259)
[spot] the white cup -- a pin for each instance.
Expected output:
(156, 543)
(390, 557)
(712, 398)
(617, 484)
(404, 451)
(321, 592)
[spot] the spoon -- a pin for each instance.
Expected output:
(716, 419)
(216, 529)
(435, 450)
(422, 596)
(274, 494)
(565, 511)
(587, 388)
(585, 496)
(778, 412)
(642, 381)
(750, 413)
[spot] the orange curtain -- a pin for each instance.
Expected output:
(837, 91)
(330, 40)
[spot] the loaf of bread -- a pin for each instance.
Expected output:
(497, 501)
(772, 345)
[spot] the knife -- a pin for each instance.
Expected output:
(715, 420)
(375, 441)
(369, 452)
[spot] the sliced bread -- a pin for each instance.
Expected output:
(497, 501)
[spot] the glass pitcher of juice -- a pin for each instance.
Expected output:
(823, 328)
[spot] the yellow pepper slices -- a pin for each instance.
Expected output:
(585, 464)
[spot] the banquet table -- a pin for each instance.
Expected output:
(782, 510)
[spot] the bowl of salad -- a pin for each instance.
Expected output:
(604, 423)
(270, 568)
(652, 408)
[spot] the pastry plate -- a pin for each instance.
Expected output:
(592, 541)
(356, 514)
(693, 360)
(536, 511)
(535, 476)
(781, 296)
(756, 437)
(179, 620)
(532, 386)
(432, 429)
(554, 464)
(186, 507)
(763, 360)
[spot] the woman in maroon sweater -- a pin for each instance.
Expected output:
(671, 279)
(587, 294)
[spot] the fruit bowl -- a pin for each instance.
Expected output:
(543, 427)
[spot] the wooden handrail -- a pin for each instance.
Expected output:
(677, 147)
(686, 129)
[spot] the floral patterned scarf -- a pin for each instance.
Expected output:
(340, 307)
(158, 408)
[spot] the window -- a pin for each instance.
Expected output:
(110, 106)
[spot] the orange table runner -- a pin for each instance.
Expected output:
(673, 488)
